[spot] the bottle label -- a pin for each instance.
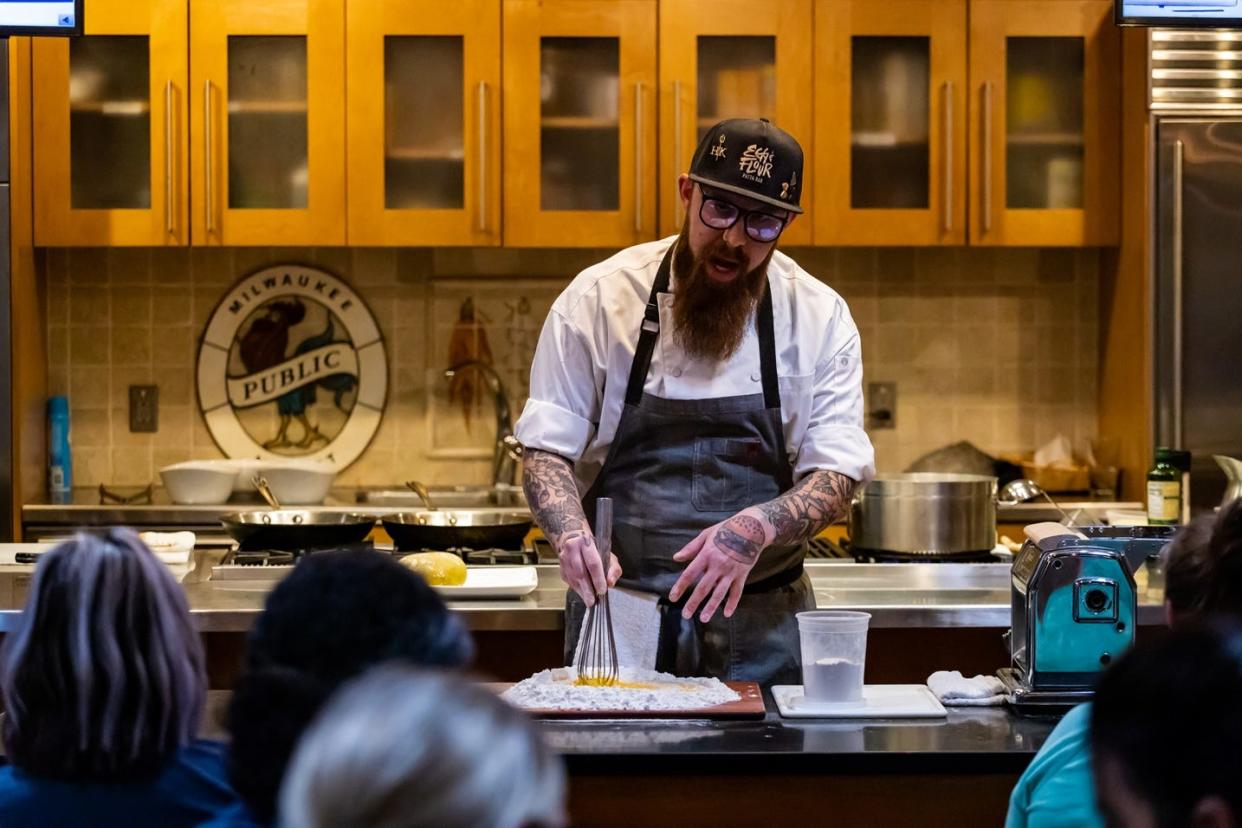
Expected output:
(1164, 501)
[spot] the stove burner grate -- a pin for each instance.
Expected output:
(284, 557)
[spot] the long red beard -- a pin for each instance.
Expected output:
(710, 316)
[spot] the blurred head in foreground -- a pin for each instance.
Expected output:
(1166, 733)
(337, 614)
(1203, 568)
(402, 747)
(103, 676)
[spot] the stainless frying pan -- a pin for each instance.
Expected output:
(293, 529)
(449, 530)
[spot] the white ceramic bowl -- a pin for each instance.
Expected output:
(297, 482)
(243, 469)
(198, 482)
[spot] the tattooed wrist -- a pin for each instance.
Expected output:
(741, 537)
(806, 509)
(552, 494)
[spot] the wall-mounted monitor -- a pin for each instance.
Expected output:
(40, 17)
(1206, 14)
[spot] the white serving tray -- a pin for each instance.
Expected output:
(493, 582)
(879, 701)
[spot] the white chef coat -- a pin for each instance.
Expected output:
(586, 348)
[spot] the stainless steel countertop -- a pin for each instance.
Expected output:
(896, 595)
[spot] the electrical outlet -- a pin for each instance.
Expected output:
(881, 405)
(144, 408)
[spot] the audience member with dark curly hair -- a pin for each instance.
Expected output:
(103, 684)
(1166, 733)
(337, 614)
(1203, 581)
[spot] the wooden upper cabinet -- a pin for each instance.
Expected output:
(890, 122)
(267, 121)
(1045, 119)
(424, 122)
(732, 59)
(110, 156)
(579, 122)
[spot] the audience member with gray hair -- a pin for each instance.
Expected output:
(103, 686)
(402, 747)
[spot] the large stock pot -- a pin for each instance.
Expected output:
(924, 515)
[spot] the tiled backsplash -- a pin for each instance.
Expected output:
(994, 346)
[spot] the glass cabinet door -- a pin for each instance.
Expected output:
(267, 119)
(423, 92)
(579, 115)
(1046, 85)
(729, 59)
(109, 122)
(890, 103)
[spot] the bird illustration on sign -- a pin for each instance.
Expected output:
(264, 352)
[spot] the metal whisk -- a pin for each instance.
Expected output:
(597, 652)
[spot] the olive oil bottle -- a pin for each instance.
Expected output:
(1164, 490)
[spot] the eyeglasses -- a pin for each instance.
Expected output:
(721, 215)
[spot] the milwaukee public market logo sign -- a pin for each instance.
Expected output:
(292, 364)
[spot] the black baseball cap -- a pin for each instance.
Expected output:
(751, 157)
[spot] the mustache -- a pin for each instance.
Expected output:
(718, 249)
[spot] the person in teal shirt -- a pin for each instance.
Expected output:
(1203, 578)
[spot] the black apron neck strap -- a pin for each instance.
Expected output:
(651, 331)
(767, 350)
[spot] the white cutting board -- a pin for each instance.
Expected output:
(493, 582)
(879, 701)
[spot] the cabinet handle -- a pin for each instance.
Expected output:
(948, 156)
(638, 158)
(987, 157)
(1178, 284)
(482, 103)
(677, 141)
(208, 163)
(169, 229)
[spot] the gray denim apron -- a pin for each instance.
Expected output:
(676, 467)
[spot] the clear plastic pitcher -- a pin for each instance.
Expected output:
(834, 653)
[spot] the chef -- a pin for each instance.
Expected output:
(712, 388)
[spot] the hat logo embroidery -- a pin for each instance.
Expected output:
(788, 185)
(756, 163)
(718, 151)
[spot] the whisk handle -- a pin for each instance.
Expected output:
(603, 528)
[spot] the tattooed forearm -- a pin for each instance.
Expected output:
(806, 509)
(548, 480)
(741, 536)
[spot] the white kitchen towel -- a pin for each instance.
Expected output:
(954, 689)
(635, 627)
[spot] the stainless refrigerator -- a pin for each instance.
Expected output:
(1198, 293)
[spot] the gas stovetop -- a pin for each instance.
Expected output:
(272, 564)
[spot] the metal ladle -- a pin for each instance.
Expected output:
(1024, 489)
(260, 483)
(423, 495)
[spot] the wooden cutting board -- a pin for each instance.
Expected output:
(749, 706)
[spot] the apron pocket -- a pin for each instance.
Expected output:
(722, 469)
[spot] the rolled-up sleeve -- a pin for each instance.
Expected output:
(561, 413)
(835, 439)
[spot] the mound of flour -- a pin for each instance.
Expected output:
(556, 690)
